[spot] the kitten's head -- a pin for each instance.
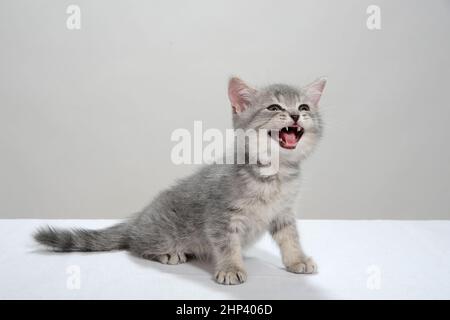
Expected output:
(289, 112)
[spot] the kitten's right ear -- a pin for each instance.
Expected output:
(240, 94)
(314, 90)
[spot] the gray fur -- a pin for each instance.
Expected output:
(220, 209)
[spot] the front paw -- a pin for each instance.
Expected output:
(306, 265)
(233, 275)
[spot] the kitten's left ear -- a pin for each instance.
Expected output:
(240, 94)
(313, 91)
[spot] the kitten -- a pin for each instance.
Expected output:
(222, 209)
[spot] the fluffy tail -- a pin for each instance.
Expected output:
(83, 240)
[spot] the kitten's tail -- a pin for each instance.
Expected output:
(111, 238)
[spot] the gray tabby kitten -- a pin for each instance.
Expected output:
(223, 208)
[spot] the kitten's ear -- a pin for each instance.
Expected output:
(240, 94)
(313, 91)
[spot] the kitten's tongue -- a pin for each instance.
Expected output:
(289, 138)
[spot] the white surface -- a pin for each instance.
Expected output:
(357, 259)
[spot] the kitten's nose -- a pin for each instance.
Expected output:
(295, 117)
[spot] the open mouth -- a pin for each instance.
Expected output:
(288, 137)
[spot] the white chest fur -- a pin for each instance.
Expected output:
(260, 204)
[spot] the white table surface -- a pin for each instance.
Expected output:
(357, 260)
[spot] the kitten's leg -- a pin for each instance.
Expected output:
(284, 232)
(228, 259)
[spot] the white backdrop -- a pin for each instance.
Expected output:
(86, 115)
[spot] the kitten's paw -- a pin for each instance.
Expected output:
(233, 275)
(303, 266)
(171, 258)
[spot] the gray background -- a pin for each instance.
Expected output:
(86, 115)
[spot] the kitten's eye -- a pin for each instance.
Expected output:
(303, 107)
(274, 107)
